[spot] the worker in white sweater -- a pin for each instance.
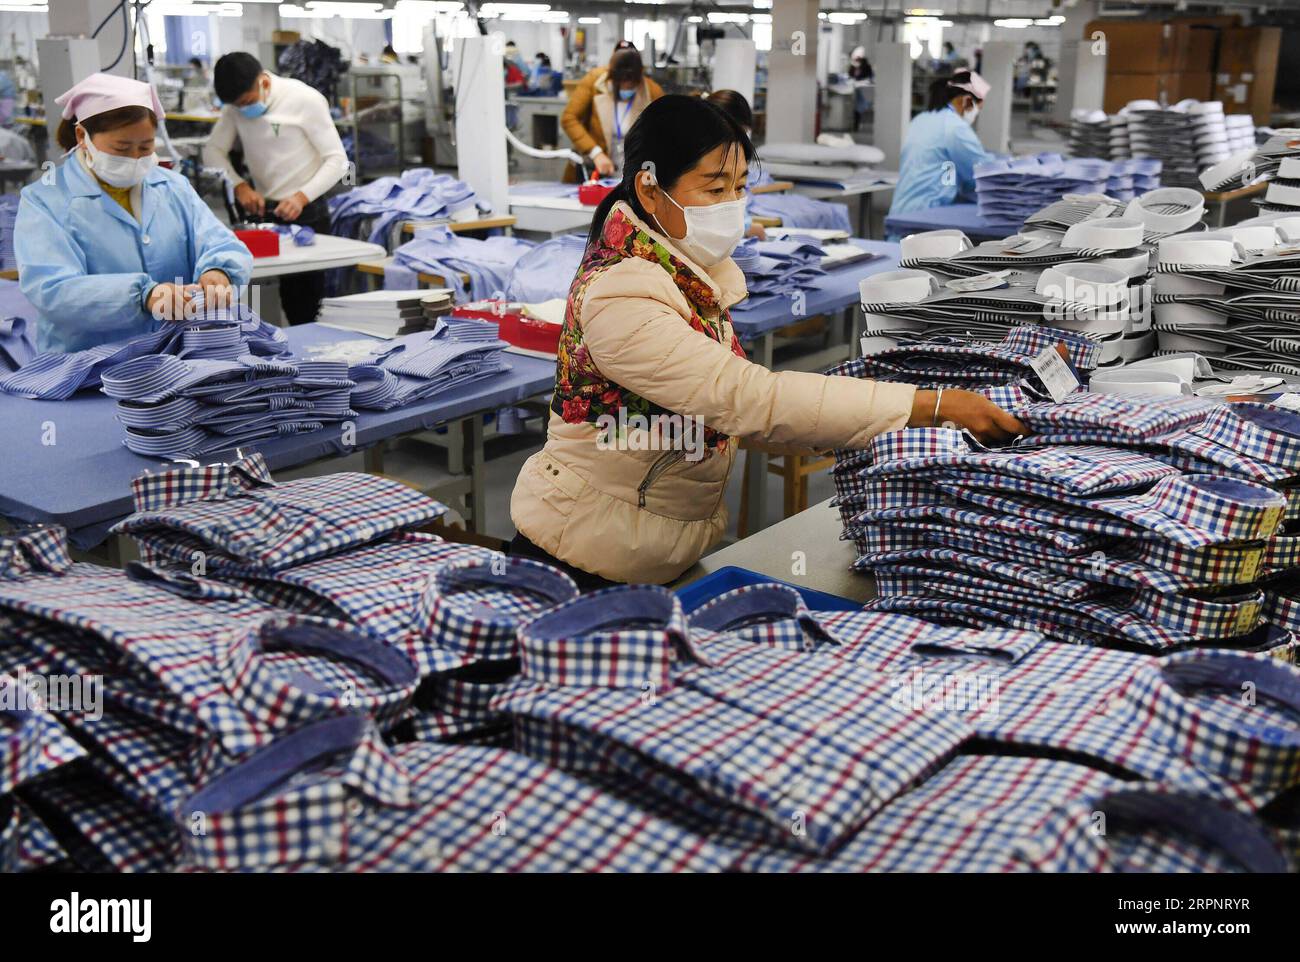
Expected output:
(292, 151)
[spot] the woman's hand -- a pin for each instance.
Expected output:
(217, 291)
(604, 166)
(756, 230)
(171, 302)
(965, 410)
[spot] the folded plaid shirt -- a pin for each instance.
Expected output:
(759, 728)
(231, 518)
(243, 673)
(332, 796)
(34, 549)
(1132, 417)
(32, 742)
(26, 844)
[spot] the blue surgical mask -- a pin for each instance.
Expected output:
(254, 110)
(627, 94)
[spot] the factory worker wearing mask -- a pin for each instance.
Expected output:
(940, 152)
(616, 497)
(110, 245)
(604, 106)
(293, 152)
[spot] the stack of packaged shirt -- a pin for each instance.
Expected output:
(1231, 296)
(1145, 523)
(436, 250)
(415, 367)
(776, 268)
(1090, 134)
(212, 335)
(295, 679)
(8, 214)
(380, 208)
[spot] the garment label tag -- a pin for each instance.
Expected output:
(1055, 374)
(1250, 567)
(1289, 401)
(1023, 245)
(980, 282)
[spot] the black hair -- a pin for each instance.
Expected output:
(669, 138)
(943, 92)
(196, 61)
(546, 61)
(66, 134)
(234, 75)
(626, 66)
(733, 104)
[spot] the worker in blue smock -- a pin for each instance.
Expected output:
(110, 245)
(937, 167)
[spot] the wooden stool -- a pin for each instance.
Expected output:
(796, 464)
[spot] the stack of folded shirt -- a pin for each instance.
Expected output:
(1251, 165)
(212, 334)
(8, 214)
(1090, 134)
(1210, 130)
(1009, 190)
(795, 210)
(378, 209)
(383, 313)
(1240, 130)
(1168, 134)
(1146, 523)
(436, 250)
(1231, 296)
(415, 367)
(182, 407)
(777, 267)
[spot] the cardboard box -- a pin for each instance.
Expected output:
(1247, 71)
(1155, 46)
(285, 36)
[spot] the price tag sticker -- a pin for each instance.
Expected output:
(1055, 374)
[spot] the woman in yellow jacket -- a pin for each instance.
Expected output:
(605, 105)
(652, 386)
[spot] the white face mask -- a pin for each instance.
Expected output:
(712, 230)
(118, 171)
(970, 115)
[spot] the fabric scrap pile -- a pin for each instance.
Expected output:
(415, 367)
(380, 208)
(335, 668)
(476, 270)
(218, 334)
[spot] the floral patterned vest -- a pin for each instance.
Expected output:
(582, 393)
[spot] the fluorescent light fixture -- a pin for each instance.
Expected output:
(180, 8)
(694, 19)
(1053, 21)
(922, 12)
(846, 18)
(427, 8)
(728, 18)
(763, 4)
(589, 20)
(324, 10)
(23, 8)
(1014, 23)
(505, 9)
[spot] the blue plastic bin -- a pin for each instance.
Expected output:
(725, 579)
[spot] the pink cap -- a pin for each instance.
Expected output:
(977, 87)
(102, 92)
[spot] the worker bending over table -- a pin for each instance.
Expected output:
(293, 151)
(109, 245)
(937, 166)
(604, 106)
(647, 334)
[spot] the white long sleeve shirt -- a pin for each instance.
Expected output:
(292, 147)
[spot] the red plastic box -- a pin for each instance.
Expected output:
(592, 193)
(260, 243)
(513, 326)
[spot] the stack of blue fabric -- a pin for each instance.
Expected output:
(8, 213)
(777, 267)
(417, 194)
(546, 271)
(418, 366)
(436, 250)
(208, 402)
(795, 210)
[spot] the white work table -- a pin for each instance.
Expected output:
(808, 542)
(548, 208)
(327, 253)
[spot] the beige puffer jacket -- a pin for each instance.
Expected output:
(648, 515)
